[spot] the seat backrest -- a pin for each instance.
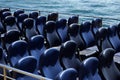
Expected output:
(20, 20)
(52, 37)
(96, 24)
(40, 25)
(10, 23)
(114, 38)
(4, 15)
(74, 35)
(107, 65)
(102, 38)
(118, 30)
(30, 31)
(62, 29)
(18, 12)
(9, 37)
(91, 68)
(52, 17)
(73, 19)
(3, 10)
(34, 15)
(16, 51)
(37, 47)
(87, 34)
(27, 64)
(68, 57)
(2, 23)
(68, 74)
(49, 63)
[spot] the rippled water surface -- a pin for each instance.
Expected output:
(103, 8)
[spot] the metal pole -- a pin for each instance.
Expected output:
(4, 72)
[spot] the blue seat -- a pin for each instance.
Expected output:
(20, 20)
(118, 30)
(9, 37)
(18, 12)
(102, 38)
(107, 65)
(30, 31)
(10, 23)
(74, 35)
(73, 19)
(91, 48)
(86, 69)
(37, 47)
(3, 10)
(96, 24)
(91, 69)
(4, 15)
(62, 29)
(40, 25)
(114, 38)
(86, 32)
(52, 37)
(68, 56)
(27, 64)
(34, 15)
(49, 63)
(52, 17)
(16, 51)
(68, 74)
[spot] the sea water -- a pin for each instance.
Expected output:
(100, 8)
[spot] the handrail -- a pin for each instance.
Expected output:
(39, 77)
(69, 14)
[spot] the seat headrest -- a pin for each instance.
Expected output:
(74, 29)
(112, 30)
(107, 56)
(53, 16)
(97, 22)
(91, 64)
(34, 15)
(41, 19)
(68, 48)
(102, 33)
(11, 36)
(61, 23)
(68, 74)
(28, 23)
(4, 10)
(37, 41)
(118, 27)
(10, 20)
(50, 26)
(49, 57)
(73, 19)
(5, 14)
(21, 17)
(27, 63)
(17, 12)
(86, 26)
(18, 48)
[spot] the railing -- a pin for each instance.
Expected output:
(5, 68)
